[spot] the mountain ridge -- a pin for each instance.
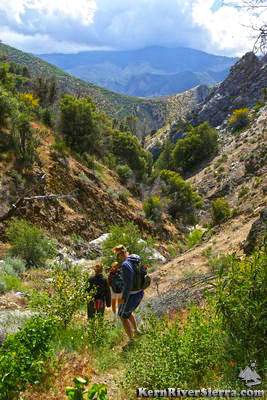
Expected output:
(116, 70)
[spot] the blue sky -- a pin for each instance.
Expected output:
(41, 26)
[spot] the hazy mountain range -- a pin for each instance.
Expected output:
(153, 71)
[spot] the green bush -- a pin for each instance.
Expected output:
(68, 288)
(128, 235)
(187, 353)
(78, 124)
(22, 356)
(241, 298)
(3, 287)
(79, 392)
(239, 119)
(199, 144)
(47, 117)
(220, 211)
(152, 208)
(243, 192)
(12, 265)
(194, 237)
(60, 146)
(30, 243)
(125, 173)
(123, 196)
(24, 139)
(12, 282)
(128, 149)
(183, 201)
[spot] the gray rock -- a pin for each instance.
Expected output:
(243, 87)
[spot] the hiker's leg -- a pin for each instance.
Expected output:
(90, 310)
(113, 305)
(133, 322)
(127, 327)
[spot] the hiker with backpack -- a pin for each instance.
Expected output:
(99, 288)
(115, 282)
(135, 280)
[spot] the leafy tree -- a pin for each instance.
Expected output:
(183, 201)
(77, 125)
(24, 139)
(124, 172)
(165, 160)
(128, 148)
(153, 208)
(8, 106)
(200, 143)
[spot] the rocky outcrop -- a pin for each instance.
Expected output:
(243, 87)
(256, 233)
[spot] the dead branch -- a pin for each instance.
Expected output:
(18, 204)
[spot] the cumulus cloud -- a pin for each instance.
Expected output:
(73, 25)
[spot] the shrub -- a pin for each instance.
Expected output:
(199, 144)
(152, 208)
(194, 237)
(29, 242)
(239, 119)
(123, 196)
(128, 149)
(2, 285)
(130, 236)
(78, 392)
(183, 201)
(12, 265)
(77, 123)
(24, 139)
(183, 353)
(60, 146)
(47, 117)
(124, 172)
(220, 211)
(243, 192)
(23, 354)
(68, 288)
(241, 298)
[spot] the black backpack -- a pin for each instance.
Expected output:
(141, 279)
(117, 282)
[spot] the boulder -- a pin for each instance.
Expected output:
(256, 233)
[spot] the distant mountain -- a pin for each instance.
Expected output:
(153, 113)
(152, 71)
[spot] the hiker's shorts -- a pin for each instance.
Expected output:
(125, 310)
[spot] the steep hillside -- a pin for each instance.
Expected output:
(239, 175)
(152, 112)
(70, 198)
(146, 72)
(245, 85)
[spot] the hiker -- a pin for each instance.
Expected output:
(101, 296)
(115, 282)
(131, 295)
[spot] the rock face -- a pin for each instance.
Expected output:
(256, 233)
(243, 87)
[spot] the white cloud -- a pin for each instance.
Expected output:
(73, 25)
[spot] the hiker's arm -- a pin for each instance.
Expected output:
(127, 276)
